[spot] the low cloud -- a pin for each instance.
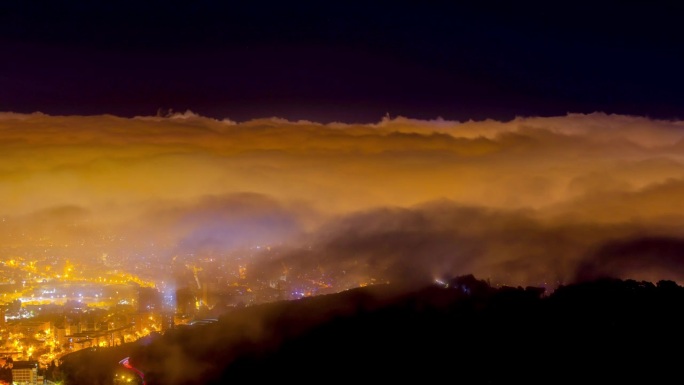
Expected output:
(442, 239)
(523, 201)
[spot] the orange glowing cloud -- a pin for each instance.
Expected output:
(539, 178)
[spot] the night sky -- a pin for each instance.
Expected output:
(352, 62)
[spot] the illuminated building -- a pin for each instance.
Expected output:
(29, 327)
(25, 372)
(186, 301)
(149, 300)
(61, 334)
(167, 321)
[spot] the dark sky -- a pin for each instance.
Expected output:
(345, 61)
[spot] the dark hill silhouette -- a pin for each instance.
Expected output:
(602, 331)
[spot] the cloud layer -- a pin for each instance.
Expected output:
(525, 201)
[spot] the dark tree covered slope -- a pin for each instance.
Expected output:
(602, 331)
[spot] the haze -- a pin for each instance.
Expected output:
(531, 201)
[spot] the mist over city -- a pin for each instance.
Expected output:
(531, 201)
(207, 192)
(212, 214)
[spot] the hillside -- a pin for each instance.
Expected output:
(605, 330)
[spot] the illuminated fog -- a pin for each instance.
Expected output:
(528, 201)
